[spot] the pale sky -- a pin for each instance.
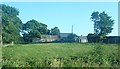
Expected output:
(59, 0)
(65, 14)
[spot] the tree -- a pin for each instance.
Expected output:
(11, 24)
(55, 31)
(95, 19)
(34, 30)
(102, 24)
(35, 25)
(92, 38)
(48, 32)
(105, 24)
(28, 37)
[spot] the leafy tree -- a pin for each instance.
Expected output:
(102, 24)
(35, 25)
(95, 19)
(48, 32)
(10, 11)
(28, 37)
(105, 24)
(11, 24)
(55, 31)
(93, 38)
(34, 30)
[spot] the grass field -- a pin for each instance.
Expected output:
(61, 55)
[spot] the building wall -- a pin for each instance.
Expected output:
(64, 35)
(46, 38)
(84, 40)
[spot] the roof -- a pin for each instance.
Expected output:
(64, 34)
(49, 36)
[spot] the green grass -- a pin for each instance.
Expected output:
(63, 54)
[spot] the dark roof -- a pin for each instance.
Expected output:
(64, 34)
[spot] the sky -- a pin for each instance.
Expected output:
(65, 14)
(59, 0)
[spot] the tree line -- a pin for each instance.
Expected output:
(12, 27)
(14, 30)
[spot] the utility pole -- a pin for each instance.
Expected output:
(72, 29)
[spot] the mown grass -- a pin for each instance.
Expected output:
(61, 55)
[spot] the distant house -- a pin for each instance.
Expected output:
(64, 35)
(46, 38)
(83, 39)
(49, 38)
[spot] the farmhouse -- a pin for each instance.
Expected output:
(83, 39)
(64, 35)
(67, 37)
(49, 38)
(46, 38)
